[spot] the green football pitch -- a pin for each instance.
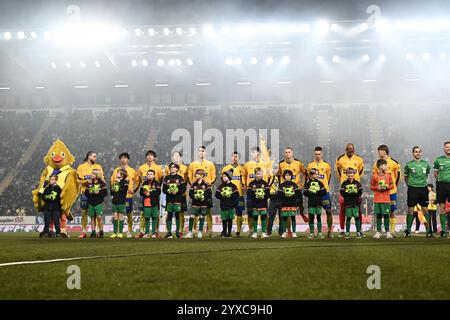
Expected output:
(237, 268)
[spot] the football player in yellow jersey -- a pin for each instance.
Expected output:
(348, 160)
(133, 186)
(183, 171)
(393, 167)
(210, 177)
(236, 179)
(299, 176)
(150, 164)
(324, 176)
(249, 175)
(84, 173)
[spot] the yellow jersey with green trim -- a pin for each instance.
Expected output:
(393, 167)
(207, 166)
(324, 169)
(237, 177)
(298, 170)
(132, 177)
(84, 172)
(343, 162)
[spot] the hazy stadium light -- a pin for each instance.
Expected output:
(254, 60)
(192, 31)
(238, 61)
(138, 32)
(409, 56)
(178, 62)
(319, 59)
(160, 62)
(444, 24)
(382, 25)
(400, 25)
(81, 87)
(285, 60)
(334, 27)
(226, 30)
(171, 62)
(145, 63)
(179, 31)
(369, 80)
(189, 62)
(166, 31)
(382, 57)
(291, 28)
(365, 57)
(326, 81)
(120, 86)
(203, 84)
(443, 56)
(33, 34)
(134, 63)
(364, 26)
(322, 28)
(412, 79)
(243, 83)
(228, 61)
(88, 34)
(151, 32)
(68, 65)
(269, 60)
(305, 28)
(208, 30)
(47, 35)
(82, 64)
(97, 63)
(426, 56)
(53, 65)
(20, 35)
(275, 29)
(284, 82)
(39, 87)
(7, 35)
(335, 59)
(5, 88)
(161, 85)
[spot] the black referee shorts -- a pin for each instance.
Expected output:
(442, 192)
(417, 195)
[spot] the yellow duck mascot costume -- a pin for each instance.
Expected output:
(59, 160)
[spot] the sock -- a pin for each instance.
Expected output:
(147, 225)
(311, 223)
(378, 222)
(191, 224)
(238, 224)
(386, 223)
(428, 223)
(288, 225)
(201, 224)
(115, 225)
(283, 223)
(409, 221)
(443, 218)
(209, 221)
(255, 224)
(358, 224)
(319, 223)
(264, 223)
(130, 222)
(169, 223)
(347, 224)
(224, 226)
(181, 222)
(177, 223)
(84, 219)
(142, 222)
(293, 224)
(120, 226)
(392, 223)
(329, 222)
(250, 222)
(153, 225)
(157, 224)
(195, 223)
(230, 225)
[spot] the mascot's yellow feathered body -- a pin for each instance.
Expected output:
(59, 160)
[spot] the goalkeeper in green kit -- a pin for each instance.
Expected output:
(228, 194)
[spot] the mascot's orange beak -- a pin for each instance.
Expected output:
(57, 159)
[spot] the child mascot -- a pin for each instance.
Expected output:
(59, 161)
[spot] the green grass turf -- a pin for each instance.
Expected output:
(274, 268)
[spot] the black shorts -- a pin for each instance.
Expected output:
(417, 195)
(442, 192)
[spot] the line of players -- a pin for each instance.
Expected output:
(269, 189)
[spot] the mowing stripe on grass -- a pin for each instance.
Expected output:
(16, 263)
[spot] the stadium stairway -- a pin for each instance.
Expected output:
(27, 154)
(375, 130)
(323, 129)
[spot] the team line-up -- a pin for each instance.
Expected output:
(270, 190)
